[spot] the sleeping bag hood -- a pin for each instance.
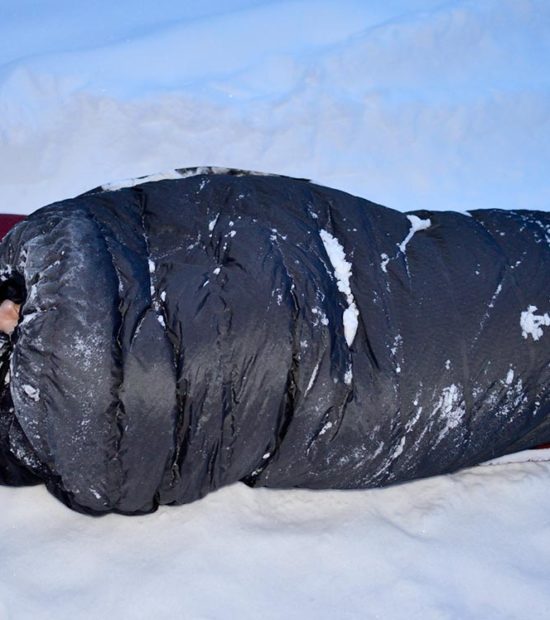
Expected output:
(186, 331)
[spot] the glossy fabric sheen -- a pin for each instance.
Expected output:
(185, 334)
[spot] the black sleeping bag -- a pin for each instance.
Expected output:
(184, 333)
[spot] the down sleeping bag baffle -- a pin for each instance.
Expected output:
(186, 331)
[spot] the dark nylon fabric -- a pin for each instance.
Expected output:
(181, 335)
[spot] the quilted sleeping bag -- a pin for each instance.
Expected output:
(186, 331)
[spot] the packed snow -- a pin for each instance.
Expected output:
(31, 392)
(342, 273)
(212, 222)
(348, 376)
(417, 105)
(312, 378)
(532, 324)
(416, 225)
(159, 176)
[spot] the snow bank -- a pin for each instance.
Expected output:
(470, 545)
(416, 105)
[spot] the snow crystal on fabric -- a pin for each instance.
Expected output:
(450, 408)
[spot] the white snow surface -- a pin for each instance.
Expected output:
(471, 545)
(417, 104)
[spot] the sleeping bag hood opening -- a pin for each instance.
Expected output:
(12, 286)
(16, 454)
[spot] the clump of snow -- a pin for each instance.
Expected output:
(509, 377)
(416, 225)
(350, 318)
(313, 377)
(397, 342)
(95, 493)
(212, 222)
(495, 295)
(326, 427)
(348, 376)
(532, 324)
(322, 316)
(31, 391)
(342, 273)
(152, 268)
(126, 183)
(399, 448)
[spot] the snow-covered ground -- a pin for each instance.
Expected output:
(414, 104)
(472, 545)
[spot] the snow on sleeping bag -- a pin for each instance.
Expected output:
(185, 332)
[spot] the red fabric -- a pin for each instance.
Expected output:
(542, 446)
(7, 221)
